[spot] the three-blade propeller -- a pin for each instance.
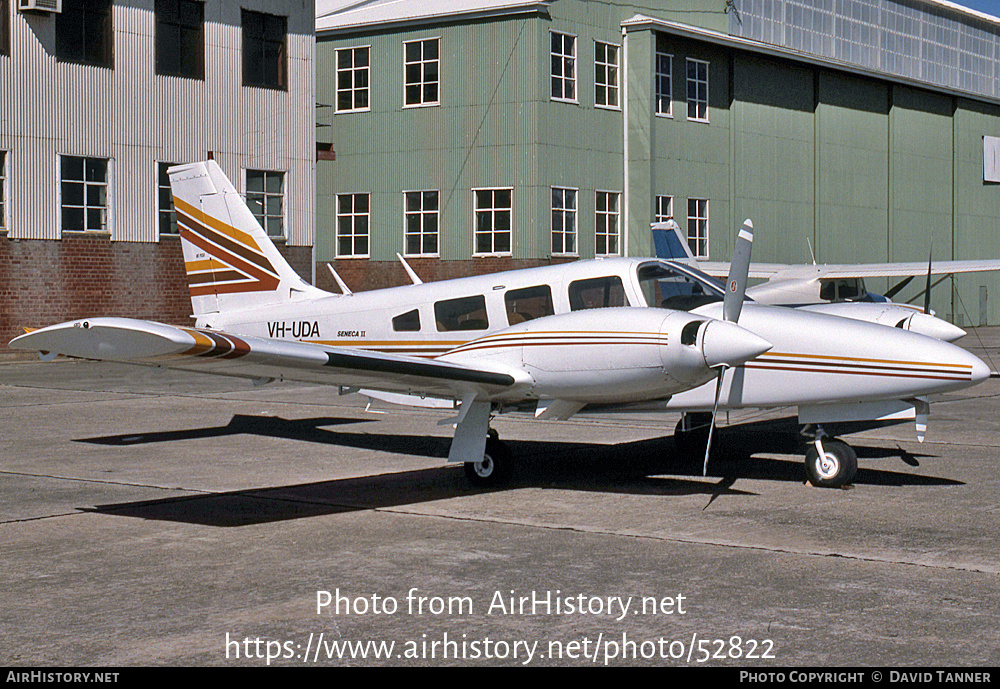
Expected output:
(732, 305)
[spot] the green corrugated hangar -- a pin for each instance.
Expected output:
(477, 136)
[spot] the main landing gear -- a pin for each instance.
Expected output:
(494, 468)
(830, 463)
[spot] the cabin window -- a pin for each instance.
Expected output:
(528, 303)
(407, 322)
(846, 289)
(597, 293)
(663, 286)
(465, 313)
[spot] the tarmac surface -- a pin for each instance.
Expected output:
(150, 519)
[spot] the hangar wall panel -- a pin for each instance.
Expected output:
(135, 118)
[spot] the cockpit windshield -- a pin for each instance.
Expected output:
(673, 285)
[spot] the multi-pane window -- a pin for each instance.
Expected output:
(664, 83)
(3, 191)
(563, 59)
(84, 193)
(352, 225)
(697, 230)
(166, 216)
(697, 90)
(664, 208)
(352, 79)
(266, 199)
(606, 75)
(564, 221)
(493, 214)
(264, 50)
(421, 72)
(180, 38)
(607, 226)
(421, 213)
(4, 27)
(84, 32)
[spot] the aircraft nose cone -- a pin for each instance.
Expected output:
(727, 343)
(932, 326)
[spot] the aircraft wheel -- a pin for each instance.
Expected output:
(494, 467)
(835, 468)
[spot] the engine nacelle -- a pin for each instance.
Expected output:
(614, 355)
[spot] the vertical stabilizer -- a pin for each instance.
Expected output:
(669, 241)
(231, 263)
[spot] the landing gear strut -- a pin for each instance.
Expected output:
(494, 468)
(691, 435)
(830, 463)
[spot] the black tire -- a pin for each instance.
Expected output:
(494, 469)
(837, 468)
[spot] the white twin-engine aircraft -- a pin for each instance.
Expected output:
(557, 338)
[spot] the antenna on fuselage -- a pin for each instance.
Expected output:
(409, 271)
(340, 282)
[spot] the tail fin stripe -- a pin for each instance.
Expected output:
(222, 276)
(229, 259)
(256, 282)
(216, 224)
(240, 249)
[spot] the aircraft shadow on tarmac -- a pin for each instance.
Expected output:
(645, 467)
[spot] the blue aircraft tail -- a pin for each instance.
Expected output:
(669, 242)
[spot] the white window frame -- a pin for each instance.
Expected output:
(266, 196)
(160, 211)
(565, 214)
(422, 62)
(493, 232)
(698, 227)
(607, 216)
(422, 214)
(661, 213)
(564, 60)
(666, 94)
(353, 70)
(4, 195)
(611, 74)
(106, 184)
(353, 216)
(697, 82)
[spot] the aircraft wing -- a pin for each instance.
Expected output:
(784, 271)
(719, 269)
(147, 343)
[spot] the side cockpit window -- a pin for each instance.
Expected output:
(528, 303)
(597, 293)
(407, 322)
(465, 313)
(678, 288)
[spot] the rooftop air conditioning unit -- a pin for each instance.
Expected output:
(40, 5)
